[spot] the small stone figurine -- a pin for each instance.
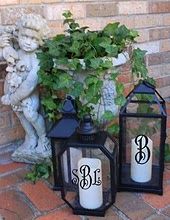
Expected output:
(20, 88)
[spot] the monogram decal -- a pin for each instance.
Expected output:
(86, 179)
(143, 154)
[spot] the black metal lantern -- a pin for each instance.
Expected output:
(141, 140)
(88, 167)
(59, 133)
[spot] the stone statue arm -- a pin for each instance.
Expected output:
(4, 42)
(27, 86)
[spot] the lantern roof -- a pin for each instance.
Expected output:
(66, 126)
(147, 94)
(144, 88)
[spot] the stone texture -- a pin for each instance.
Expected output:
(167, 212)
(101, 10)
(12, 203)
(41, 196)
(14, 13)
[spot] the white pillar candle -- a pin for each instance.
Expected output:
(141, 159)
(75, 156)
(90, 183)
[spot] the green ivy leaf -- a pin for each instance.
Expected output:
(114, 74)
(113, 129)
(65, 81)
(119, 88)
(77, 89)
(67, 14)
(49, 103)
(112, 50)
(95, 63)
(90, 79)
(120, 100)
(110, 29)
(108, 115)
(107, 64)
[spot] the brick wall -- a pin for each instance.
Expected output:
(150, 17)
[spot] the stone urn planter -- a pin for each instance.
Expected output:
(83, 64)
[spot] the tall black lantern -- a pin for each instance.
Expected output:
(59, 133)
(88, 167)
(141, 140)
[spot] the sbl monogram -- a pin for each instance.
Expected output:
(86, 180)
(143, 155)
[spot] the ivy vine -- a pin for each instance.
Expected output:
(80, 50)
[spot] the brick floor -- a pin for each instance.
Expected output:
(22, 200)
(41, 196)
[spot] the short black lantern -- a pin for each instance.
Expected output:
(88, 167)
(141, 140)
(59, 133)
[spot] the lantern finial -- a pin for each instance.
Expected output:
(87, 129)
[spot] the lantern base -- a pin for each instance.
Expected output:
(152, 186)
(79, 210)
(89, 212)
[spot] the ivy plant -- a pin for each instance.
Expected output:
(80, 50)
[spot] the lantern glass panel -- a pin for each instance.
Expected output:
(144, 103)
(96, 176)
(141, 144)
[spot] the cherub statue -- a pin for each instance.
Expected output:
(20, 89)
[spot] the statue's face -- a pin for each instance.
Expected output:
(28, 40)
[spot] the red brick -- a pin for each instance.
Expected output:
(11, 134)
(63, 214)
(162, 82)
(16, 204)
(8, 214)
(10, 167)
(159, 7)
(167, 175)
(159, 33)
(133, 206)
(110, 215)
(124, 78)
(128, 89)
(41, 196)
(9, 2)
(157, 201)
(4, 120)
(168, 122)
(101, 10)
(13, 179)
